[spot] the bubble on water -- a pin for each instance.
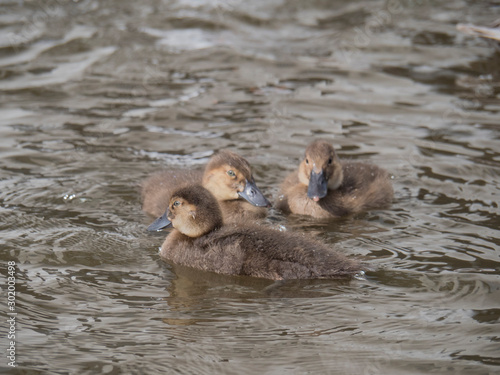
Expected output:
(361, 275)
(69, 197)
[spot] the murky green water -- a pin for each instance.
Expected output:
(96, 95)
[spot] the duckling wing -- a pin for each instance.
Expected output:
(281, 255)
(217, 252)
(365, 187)
(158, 188)
(295, 256)
(207, 253)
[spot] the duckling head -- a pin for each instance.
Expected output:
(192, 210)
(320, 170)
(228, 177)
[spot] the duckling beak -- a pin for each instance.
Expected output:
(318, 186)
(253, 195)
(160, 223)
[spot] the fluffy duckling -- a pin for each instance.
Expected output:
(201, 240)
(227, 176)
(325, 187)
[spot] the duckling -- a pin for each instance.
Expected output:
(201, 240)
(325, 187)
(228, 177)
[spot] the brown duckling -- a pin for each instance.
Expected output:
(227, 176)
(325, 187)
(201, 240)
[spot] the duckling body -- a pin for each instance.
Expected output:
(325, 187)
(365, 187)
(258, 252)
(200, 240)
(227, 175)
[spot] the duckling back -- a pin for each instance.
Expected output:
(366, 187)
(282, 255)
(259, 252)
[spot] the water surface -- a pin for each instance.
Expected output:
(95, 96)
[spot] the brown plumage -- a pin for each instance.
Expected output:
(325, 187)
(157, 189)
(227, 176)
(201, 240)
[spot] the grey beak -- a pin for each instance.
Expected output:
(253, 195)
(160, 223)
(318, 186)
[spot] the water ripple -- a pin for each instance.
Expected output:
(95, 96)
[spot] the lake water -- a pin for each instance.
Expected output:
(97, 95)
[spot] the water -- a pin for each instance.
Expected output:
(95, 96)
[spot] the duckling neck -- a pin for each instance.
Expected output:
(174, 237)
(203, 226)
(212, 186)
(337, 178)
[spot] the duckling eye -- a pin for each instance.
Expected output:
(231, 173)
(307, 161)
(176, 204)
(330, 161)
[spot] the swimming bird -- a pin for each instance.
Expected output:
(201, 240)
(325, 187)
(227, 176)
